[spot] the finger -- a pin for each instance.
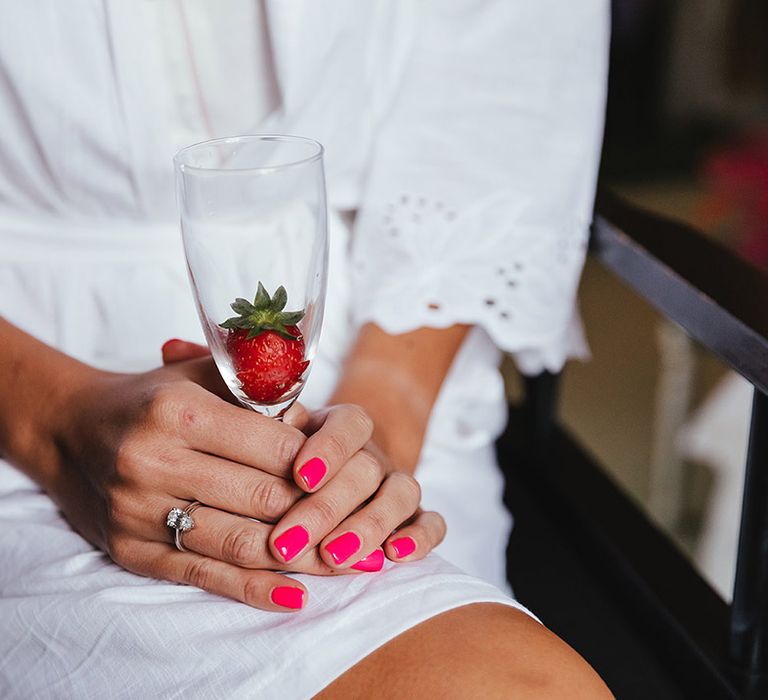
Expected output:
(336, 434)
(211, 425)
(243, 542)
(188, 475)
(230, 486)
(204, 372)
(314, 516)
(220, 535)
(417, 539)
(175, 350)
(265, 590)
(396, 500)
(296, 416)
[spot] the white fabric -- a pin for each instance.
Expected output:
(478, 199)
(74, 625)
(472, 127)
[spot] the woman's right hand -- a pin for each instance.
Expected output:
(135, 446)
(118, 451)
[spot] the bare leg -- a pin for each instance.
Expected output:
(483, 650)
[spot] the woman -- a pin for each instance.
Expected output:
(465, 135)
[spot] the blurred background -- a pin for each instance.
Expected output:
(686, 136)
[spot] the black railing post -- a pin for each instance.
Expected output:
(749, 611)
(539, 411)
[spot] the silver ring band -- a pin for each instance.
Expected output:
(180, 521)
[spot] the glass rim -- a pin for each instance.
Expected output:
(178, 159)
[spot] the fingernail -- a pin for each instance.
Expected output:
(291, 542)
(343, 547)
(313, 472)
(168, 342)
(373, 562)
(403, 546)
(288, 597)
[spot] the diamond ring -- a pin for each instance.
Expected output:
(180, 520)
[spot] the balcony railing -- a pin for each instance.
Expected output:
(705, 647)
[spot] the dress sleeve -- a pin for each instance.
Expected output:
(481, 182)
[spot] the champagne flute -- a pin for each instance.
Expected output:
(254, 226)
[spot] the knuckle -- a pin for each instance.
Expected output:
(270, 499)
(118, 547)
(136, 460)
(369, 467)
(240, 547)
(327, 512)
(379, 523)
(359, 419)
(199, 572)
(336, 446)
(130, 461)
(440, 527)
(116, 507)
(408, 486)
(169, 461)
(253, 590)
(285, 448)
(188, 415)
(165, 405)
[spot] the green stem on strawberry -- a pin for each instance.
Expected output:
(264, 314)
(265, 345)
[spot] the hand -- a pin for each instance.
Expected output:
(357, 502)
(134, 446)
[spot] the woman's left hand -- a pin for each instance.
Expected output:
(356, 498)
(358, 506)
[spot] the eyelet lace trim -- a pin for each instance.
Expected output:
(418, 261)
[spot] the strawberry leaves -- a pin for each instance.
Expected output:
(243, 307)
(262, 299)
(291, 318)
(264, 314)
(280, 299)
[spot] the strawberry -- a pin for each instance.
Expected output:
(265, 345)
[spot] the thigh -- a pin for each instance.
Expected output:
(74, 625)
(484, 650)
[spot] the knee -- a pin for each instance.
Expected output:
(502, 652)
(483, 650)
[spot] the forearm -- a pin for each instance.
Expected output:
(35, 384)
(397, 378)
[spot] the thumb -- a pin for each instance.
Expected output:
(296, 416)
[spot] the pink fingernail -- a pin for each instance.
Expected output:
(373, 562)
(313, 472)
(343, 547)
(403, 546)
(288, 597)
(291, 542)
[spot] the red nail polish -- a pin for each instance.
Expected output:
(373, 562)
(291, 542)
(403, 546)
(343, 547)
(313, 472)
(288, 597)
(168, 342)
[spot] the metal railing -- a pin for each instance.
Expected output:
(722, 302)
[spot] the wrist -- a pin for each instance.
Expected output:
(40, 435)
(400, 413)
(397, 378)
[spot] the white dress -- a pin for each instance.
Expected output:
(465, 134)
